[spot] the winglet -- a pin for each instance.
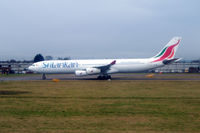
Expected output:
(113, 63)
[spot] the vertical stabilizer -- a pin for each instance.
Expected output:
(169, 51)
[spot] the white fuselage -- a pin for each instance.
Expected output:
(70, 66)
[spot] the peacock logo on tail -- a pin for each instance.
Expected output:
(167, 53)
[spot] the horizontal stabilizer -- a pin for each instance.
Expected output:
(166, 62)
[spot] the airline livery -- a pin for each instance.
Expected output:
(105, 67)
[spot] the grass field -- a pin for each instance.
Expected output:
(99, 106)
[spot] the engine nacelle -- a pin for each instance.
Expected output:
(80, 73)
(91, 71)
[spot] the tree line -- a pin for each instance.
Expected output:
(37, 58)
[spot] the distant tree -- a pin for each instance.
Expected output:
(60, 58)
(195, 61)
(48, 57)
(27, 61)
(67, 58)
(13, 61)
(38, 58)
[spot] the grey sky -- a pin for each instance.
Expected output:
(97, 28)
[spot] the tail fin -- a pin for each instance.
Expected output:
(168, 52)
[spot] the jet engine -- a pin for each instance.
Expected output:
(80, 73)
(91, 71)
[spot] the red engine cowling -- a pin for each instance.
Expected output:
(91, 71)
(80, 73)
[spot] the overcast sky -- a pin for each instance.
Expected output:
(97, 28)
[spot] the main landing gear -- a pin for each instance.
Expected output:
(104, 77)
(44, 76)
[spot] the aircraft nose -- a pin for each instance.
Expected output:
(30, 68)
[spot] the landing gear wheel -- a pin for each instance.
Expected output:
(104, 77)
(99, 77)
(109, 77)
(44, 76)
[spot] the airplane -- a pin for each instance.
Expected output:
(104, 67)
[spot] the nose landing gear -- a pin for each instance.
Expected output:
(44, 76)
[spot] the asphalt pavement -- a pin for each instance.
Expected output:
(133, 76)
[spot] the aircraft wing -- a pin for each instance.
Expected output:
(105, 68)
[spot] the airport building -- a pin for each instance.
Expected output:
(180, 67)
(14, 67)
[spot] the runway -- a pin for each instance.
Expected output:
(133, 76)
